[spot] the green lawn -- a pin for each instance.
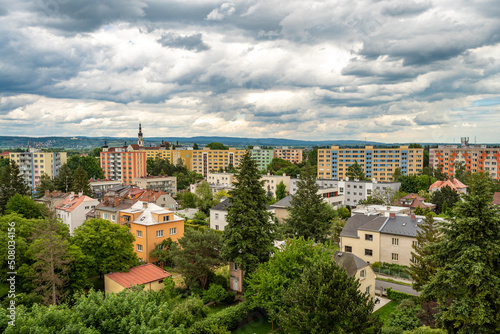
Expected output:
(214, 309)
(261, 325)
(386, 310)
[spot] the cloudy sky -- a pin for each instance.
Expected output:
(389, 71)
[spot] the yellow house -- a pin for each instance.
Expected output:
(381, 238)
(358, 268)
(148, 275)
(151, 224)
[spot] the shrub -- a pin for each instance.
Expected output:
(230, 298)
(376, 264)
(405, 316)
(188, 312)
(425, 330)
(219, 279)
(392, 330)
(215, 293)
(399, 296)
(229, 317)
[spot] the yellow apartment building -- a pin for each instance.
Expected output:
(377, 163)
(34, 163)
(293, 155)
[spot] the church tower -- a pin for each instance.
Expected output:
(140, 140)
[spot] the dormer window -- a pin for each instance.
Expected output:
(166, 218)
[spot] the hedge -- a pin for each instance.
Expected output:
(399, 296)
(229, 317)
(201, 228)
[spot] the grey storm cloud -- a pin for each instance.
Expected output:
(189, 42)
(248, 67)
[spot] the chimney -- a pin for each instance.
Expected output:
(54, 194)
(71, 196)
(80, 194)
(392, 215)
(144, 205)
(59, 193)
(412, 216)
(47, 193)
(117, 200)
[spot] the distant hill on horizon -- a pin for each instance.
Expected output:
(82, 142)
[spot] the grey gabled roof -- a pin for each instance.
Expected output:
(399, 225)
(402, 225)
(358, 222)
(283, 203)
(350, 262)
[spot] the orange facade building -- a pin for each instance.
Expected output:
(151, 224)
(293, 155)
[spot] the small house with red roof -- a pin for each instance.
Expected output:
(73, 210)
(453, 183)
(414, 201)
(148, 275)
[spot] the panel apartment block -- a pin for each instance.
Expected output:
(475, 158)
(377, 163)
(207, 160)
(293, 155)
(34, 163)
(120, 164)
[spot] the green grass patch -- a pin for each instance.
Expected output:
(260, 325)
(394, 281)
(385, 311)
(212, 309)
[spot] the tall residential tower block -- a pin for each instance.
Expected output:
(377, 163)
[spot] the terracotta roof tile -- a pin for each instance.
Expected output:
(496, 198)
(142, 274)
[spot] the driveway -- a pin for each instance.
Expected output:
(397, 287)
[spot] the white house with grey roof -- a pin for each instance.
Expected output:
(381, 239)
(218, 215)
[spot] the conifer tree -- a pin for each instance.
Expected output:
(64, 179)
(308, 215)
(248, 238)
(422, 266)
(81, 182)
(11, 183)
(50, 251)
(45, 183)
(466, 284)
(280, 191)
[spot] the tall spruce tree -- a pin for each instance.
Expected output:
(466, 284)
(64, 179)
(308, 215)
(248, 238)
(81, 182)
(11, 183)
(45, 183)
(422, 266)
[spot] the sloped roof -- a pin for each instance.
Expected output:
(350, 262)
(142, 274)
(358, 221)
(69, 204)
(151, 195)
(146, 217)
(496, 198)
(398, 225)
(283, 203)
(416, 201)
(452, 183)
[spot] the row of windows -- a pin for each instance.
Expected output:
(369, 252)
(159, 233)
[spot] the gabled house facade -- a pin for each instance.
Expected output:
(357, 268)
(73, 210)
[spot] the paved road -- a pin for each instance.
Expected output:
(398, 287)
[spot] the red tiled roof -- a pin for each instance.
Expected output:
(452, 183)
(136, 191)
(151, 195)
(417, 201)
(142, 274)
(69, 204)
(496, 198)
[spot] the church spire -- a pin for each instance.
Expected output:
(140, 140)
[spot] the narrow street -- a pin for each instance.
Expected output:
(397, 287)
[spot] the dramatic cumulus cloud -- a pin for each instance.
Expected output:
(390, 71)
